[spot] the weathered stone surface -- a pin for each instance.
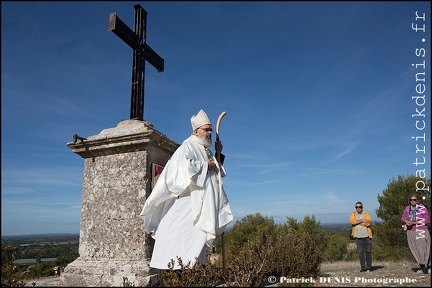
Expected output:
(113, 245)
(128, 136)
(108, 273)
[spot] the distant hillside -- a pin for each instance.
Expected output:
(336, 228)
(40, 235)
(71, 237)
(41, 239)
(62, 238)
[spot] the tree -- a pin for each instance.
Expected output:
(292, 223)
(392, 203)
(396, 196)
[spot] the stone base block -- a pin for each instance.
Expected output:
(109, 273)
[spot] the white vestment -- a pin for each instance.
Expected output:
(187, 207)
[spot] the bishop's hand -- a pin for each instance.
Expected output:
(212, 165)
(218, 146)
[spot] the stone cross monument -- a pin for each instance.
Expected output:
(114, 249)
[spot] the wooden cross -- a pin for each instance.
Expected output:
(141, 52)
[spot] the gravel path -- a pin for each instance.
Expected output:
(388, 274)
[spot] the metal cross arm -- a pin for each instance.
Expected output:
(119, 28)
(153, 58)
(123, 31)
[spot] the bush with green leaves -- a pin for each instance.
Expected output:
(335, 248)
(289, 250)
(256, 248)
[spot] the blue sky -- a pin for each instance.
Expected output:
(317, 95)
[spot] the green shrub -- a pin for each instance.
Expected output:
(268, 252)
(382, 252)
(335, 248)
(294, 254)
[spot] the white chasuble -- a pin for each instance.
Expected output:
(187, 208)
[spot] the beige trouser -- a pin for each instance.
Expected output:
(419, 242)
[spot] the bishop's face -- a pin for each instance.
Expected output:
(205, 133)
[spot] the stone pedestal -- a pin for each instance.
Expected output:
(114, 250)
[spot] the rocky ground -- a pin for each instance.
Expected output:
(384, 274)
(337, 274)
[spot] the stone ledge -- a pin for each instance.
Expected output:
(128, 136)
(109, 273)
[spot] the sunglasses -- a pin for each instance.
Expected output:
(358, 206)
(413, 199)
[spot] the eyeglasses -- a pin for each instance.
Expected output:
(358, 206)
(206, 129)
(413, 199)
